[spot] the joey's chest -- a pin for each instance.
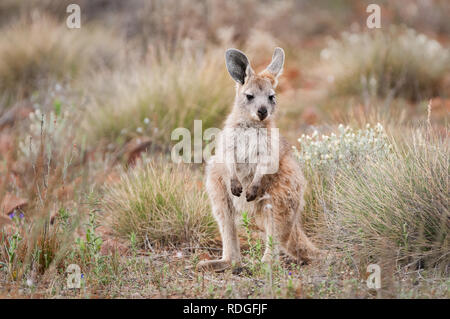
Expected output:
(246, 145)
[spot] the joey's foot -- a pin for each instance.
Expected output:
(311, 257)
(214, 265)
(236, 187)
(252, 192)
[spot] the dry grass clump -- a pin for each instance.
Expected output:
(397, 62)
(391, 207)
(54, 180)
(155, 98)
(38, 52)
(32, 246)
(42, 173)
(160, 204)
(398, 207)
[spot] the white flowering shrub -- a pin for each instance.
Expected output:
(347, 147)
(397, 62)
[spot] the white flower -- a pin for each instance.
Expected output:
(422, 38)
(356, 145)
(325, 54)
(379, 127)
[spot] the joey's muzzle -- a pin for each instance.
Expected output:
(262, 113)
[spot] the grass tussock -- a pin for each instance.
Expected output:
(160, 204)
(38, 52)
(155, 98)
(398, 63)
(398, 206)
(389, 206)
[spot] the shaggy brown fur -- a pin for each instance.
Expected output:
(273, 201)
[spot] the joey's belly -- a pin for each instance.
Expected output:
(245, 173)
(256, 218)
(241, 204)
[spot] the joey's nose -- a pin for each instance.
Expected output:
(262, 113)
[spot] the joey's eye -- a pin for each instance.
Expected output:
(271, 98)
(249, 97)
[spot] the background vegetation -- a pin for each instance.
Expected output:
(85, 122)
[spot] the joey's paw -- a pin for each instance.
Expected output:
(252, 192)
(236, 187)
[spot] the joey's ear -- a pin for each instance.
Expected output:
(238, 65)
(276, 66)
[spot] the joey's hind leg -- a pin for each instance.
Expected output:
(271, 243)
(299, 246)
(230, 243)
(224, 212)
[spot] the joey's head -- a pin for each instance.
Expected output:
(255, 93)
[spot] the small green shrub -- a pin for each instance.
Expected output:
(348, 147)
